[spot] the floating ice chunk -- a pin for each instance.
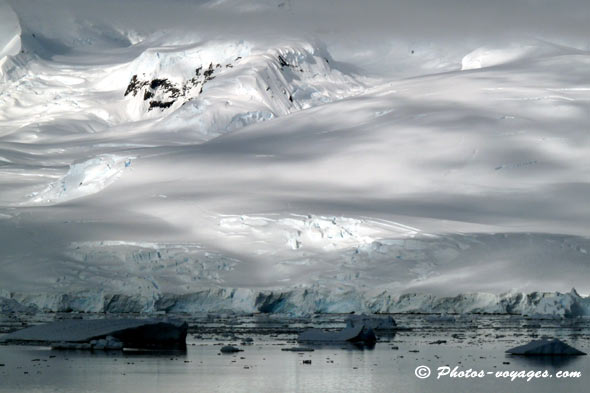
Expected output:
(547, 347)
(105, 334)
(359, 333)
(230, 349)
(298, 349)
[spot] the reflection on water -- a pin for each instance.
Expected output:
(476, 342)
(554, 362)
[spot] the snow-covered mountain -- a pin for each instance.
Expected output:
(145, 167)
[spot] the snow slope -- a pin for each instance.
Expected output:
(194, 92)
(162, 172)
(10, 41)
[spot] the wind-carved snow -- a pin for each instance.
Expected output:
(328, 233)
(494, 56)
(488, 57)
(245, 119)
(196, 91)
(313, 232)
(85, 178)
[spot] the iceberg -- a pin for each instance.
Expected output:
(105, 334)
(230, 349)
(545, 347)
(360, 333)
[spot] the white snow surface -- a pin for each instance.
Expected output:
(10, 30)
(189, 169)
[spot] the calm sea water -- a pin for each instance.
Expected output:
(477, 343)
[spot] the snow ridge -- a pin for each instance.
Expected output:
(219, 87)
(82, 179)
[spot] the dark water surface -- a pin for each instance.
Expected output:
(476, 342)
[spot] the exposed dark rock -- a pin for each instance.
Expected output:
(134, 86)
(160, 104)
(209, 71)
(283, 62)
(164, 92)
(166, 85)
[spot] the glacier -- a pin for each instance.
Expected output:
(168, 165)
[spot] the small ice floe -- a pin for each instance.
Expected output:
(375, 322)
(545, 347)
(359, 333)
(106, 334)
(230, 349)
(298, 349)
(438, 342)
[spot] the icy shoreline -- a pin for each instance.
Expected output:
(302, 302)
